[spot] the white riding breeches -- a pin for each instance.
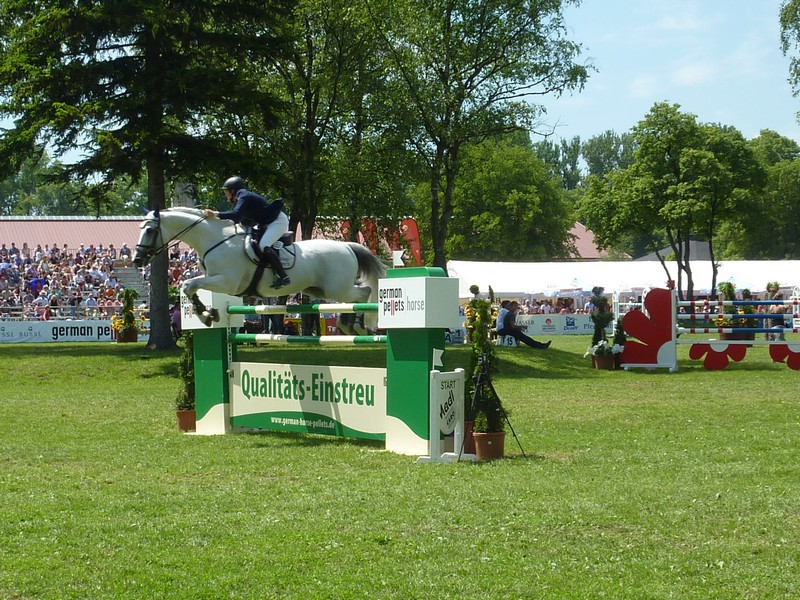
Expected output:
(274, 231)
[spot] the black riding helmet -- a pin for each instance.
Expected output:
(234, 184)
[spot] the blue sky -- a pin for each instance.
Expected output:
(719, 59)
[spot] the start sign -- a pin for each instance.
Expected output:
(446, 416)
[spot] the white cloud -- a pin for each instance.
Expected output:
(644, 86)
(685, 22)
(695, 74)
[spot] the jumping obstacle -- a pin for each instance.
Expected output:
(658, 325)
(396, 404)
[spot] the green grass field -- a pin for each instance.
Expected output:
(635, 485)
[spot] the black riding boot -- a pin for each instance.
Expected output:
(281, 278)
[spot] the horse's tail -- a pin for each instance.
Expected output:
(370, 270)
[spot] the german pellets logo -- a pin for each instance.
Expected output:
(395, 300)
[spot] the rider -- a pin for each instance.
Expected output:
(250, 209)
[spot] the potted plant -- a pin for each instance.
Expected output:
(184, 402)
(601, 351)
(603, 355)
(618, 342)
(124, 325)
(728, 318)
(483, 404)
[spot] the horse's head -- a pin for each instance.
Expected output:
(150, 239)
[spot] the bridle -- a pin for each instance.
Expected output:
(151, 248)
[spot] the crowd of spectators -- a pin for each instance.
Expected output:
(45, 282)
(547, 306)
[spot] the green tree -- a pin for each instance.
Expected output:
(721, 181)
(564, 158)
(32, 191)
(770, 148)
(767, 229)
(124, 83)
(607, 152)
(783, 201)
(790, 39)
(685, 179)
(508, 205)
(465, 68)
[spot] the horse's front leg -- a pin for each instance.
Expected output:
(206, 315)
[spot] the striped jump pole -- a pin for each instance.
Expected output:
(718, 303)
(326, 340)
(303, 309)
(730, 330)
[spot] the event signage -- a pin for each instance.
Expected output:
(15, 332)
(418, 302)
(556, 324)
(447, 396)
(310, 398)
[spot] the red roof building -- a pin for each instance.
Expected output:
(72, 231)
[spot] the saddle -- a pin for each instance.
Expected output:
(283, 247)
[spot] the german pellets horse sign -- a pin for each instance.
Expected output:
(417, 302)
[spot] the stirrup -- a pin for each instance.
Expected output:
(280, 282)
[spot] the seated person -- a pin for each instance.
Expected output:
(506, 325)
(777, 322)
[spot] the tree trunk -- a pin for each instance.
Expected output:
(160, 326)
(437, 238)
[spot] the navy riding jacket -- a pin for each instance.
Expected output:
(252, 209)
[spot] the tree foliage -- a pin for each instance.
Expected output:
(608, 152)
(124, 83)
(564, 158)
(465, 68)
(508, 205)
(685, 179)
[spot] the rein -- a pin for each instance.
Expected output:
(175, 237)
(214, 247)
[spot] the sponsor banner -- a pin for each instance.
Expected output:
(15, 332)
(418, 303)
(309, 398)
(559, 324)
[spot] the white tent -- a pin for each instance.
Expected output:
(511, 279)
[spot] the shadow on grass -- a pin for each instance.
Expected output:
(90, 350)
(291, 439)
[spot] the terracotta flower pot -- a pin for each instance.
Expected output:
(489, 446)
(605, 362)
(187, 420)
(127, 336)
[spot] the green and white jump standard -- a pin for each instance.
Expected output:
(415, 306)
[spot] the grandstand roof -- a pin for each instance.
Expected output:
(72, 231)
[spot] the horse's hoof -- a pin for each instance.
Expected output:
(205, 318)
(214, 314)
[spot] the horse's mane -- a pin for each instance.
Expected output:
(196, 212)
